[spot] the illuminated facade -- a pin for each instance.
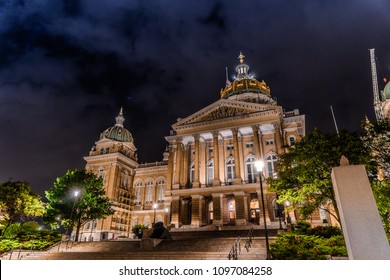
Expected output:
(207, 176)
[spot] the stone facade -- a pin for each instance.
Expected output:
(207, 175)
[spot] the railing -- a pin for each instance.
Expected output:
(236, 249)
(248, 243)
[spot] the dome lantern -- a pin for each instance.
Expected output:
(245, 86)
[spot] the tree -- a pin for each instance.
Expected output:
(381, 191)
(75, 199)
(377, 141)
(17, 201)
(304, 172)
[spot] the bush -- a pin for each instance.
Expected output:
(291, 246)
(307, 243)
(28, 236)
(8, 244)
(136, 228)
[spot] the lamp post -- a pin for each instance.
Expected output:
(259, 166)
(76, 194)
(154, 217)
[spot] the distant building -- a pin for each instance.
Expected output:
(207, 175)
(386, 100)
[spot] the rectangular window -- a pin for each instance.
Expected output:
(269, 142)
(249, 144)
(229, 147)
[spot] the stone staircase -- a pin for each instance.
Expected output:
(186, 245)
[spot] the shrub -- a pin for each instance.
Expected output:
(307, 243)
(292, 246)
(136, 228)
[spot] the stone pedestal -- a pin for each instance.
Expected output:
(363, 231)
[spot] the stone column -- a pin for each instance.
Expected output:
(186, 160)
(261, 146)
(196, 213)
(113, 181)
(266, 206)
(256, 141)
(170, 169)
(178, 163)
(237, 176)
(217, 181)
(239, 197)
(196, 183)
(175, 211)
(278, 139)
(217, 209)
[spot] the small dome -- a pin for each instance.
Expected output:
(386, 91)
(117, 132)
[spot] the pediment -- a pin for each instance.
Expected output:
(223, 109)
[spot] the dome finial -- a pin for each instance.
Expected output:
(241, 58)
(120, 119)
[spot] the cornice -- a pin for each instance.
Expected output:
(215, 190)
(111, 157)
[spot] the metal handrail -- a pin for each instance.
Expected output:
(235, 250)
(248, 243)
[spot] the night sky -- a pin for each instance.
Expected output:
(66, 68)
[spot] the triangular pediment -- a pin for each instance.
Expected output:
(224, 109)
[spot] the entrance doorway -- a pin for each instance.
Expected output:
(255, 212)
(232, 211)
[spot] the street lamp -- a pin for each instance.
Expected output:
(76, 194)
(259, 167)
(154, 218)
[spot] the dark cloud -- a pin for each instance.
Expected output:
(66, 67)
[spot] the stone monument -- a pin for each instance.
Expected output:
(363, 230)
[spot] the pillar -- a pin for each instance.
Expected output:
(237, 177)
(218, 206)
(217, 181)
(196, 183)
(175, 211)
(239, 198)
(170, 170)
(186, 160)
(256, 142)
(266, 206)
(196, 213)
(278, 139)
(178, 164)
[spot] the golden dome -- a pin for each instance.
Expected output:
(244, 82)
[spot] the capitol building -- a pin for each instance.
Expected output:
(207, 177)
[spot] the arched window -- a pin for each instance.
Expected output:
(161, 190)
(278, 210)
(149, 191)
(229, 170)
(272, 162)
(192, 172)
(250, 169)
(210, 172)
(138, 192)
